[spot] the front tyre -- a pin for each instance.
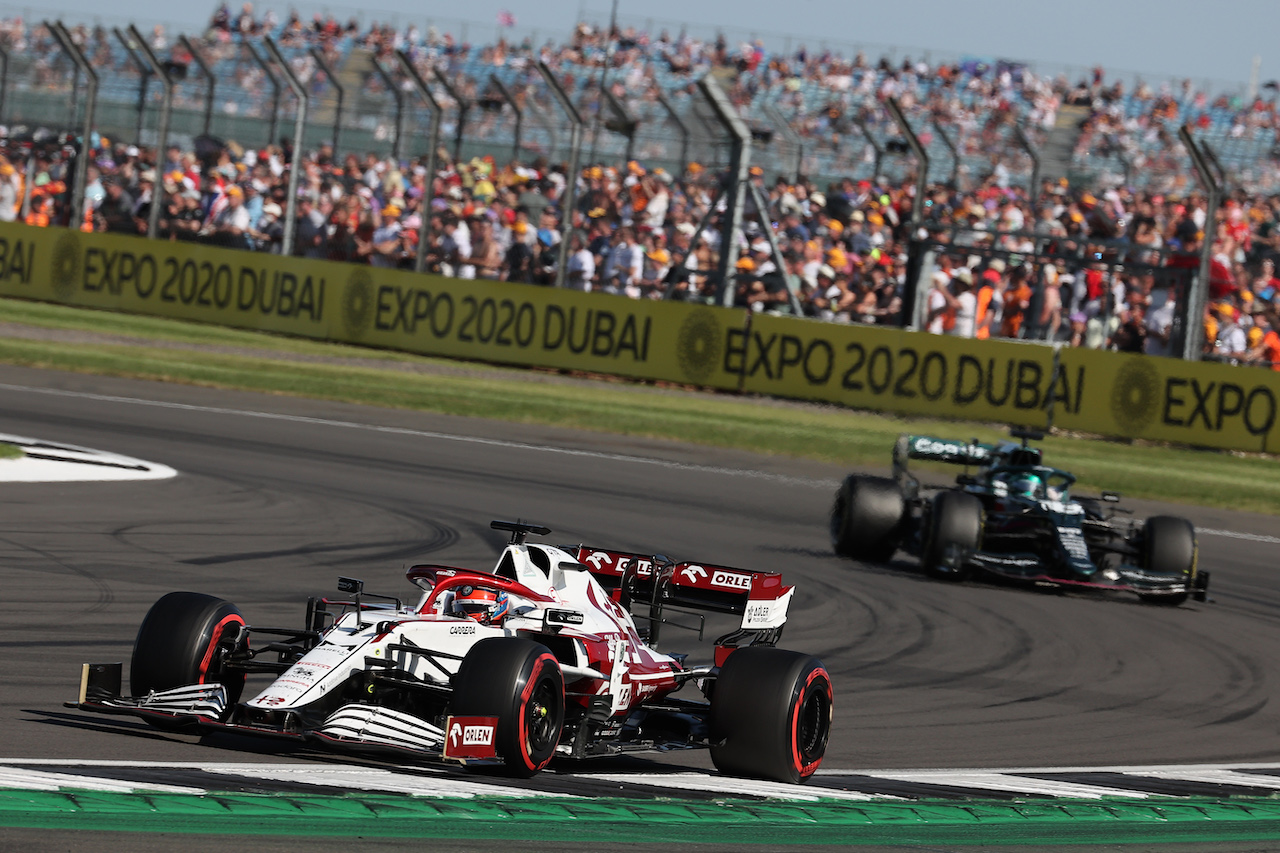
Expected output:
(519, 682)
(770, 714)
(954, 530)
(184, 639)
(1169, 548)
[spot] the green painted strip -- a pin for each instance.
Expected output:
(1032, 822)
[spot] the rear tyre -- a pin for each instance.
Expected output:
(1169, 548)
(954, 527)
(519, 682)
(866, 518)
(184, 639)
(770, 714)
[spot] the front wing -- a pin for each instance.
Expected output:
(355, 727)
(1029, 568)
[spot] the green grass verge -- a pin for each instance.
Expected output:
(759, 824)
(9, 451)
(852, 438)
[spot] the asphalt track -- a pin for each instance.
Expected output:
(277, 497)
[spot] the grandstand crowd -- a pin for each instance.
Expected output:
(1006, 262)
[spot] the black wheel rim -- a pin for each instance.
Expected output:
(540, 717)
(813, 723)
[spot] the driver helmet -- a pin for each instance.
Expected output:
(1026, 485)
(483, 605)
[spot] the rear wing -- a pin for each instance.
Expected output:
(931, 449)
(759, 597)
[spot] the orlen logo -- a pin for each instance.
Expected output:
(759, 612)
(477, 735)
(731, 580)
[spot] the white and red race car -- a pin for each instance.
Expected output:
(539, 658)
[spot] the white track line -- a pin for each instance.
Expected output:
(57, 462)
(41, 780)
(1231, 534)
(1017, 784)
(370, 779)
(727, 785)
(418, 433)
(1214, 777)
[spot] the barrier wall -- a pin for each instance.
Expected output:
(1166, 399)
(434, 315)
(904, 372)
(1127, 396)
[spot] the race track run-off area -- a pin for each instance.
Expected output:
(1099, 720)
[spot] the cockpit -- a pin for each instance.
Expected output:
(1033, 482)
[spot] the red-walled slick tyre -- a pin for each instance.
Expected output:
(519, 682)
(770, 714)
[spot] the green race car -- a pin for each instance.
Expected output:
(1011, 516)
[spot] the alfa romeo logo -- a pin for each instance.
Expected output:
(1135, 396)
(357, 303)
(66, 266)
(698, 345)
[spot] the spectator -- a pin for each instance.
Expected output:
(966, 303)
(1267, 352)
(1231, 341)
(941, 304)
(117, 208)
(1015, 301)
(1160, 327)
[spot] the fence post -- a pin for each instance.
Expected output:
(162, 133)
(4, 79)
(91, 102)
(797, 141)
(399, 97)
(275, 90)
(1193, 325)
(341, 92)
(875, 146)
(1033, 192)
(684, 130)
(299, 132)
(951, 147)
(623, 121)
(208, 75)
(568, 200)
(464, 107)
(739, 160)
(428, 193)
(515, 107)
(145, 80)
(1224, 180)
(922, 157)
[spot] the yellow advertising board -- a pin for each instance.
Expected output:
(546, 327)
(892, 370)
(1166, 399)
(482, 320)
(170, 279)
